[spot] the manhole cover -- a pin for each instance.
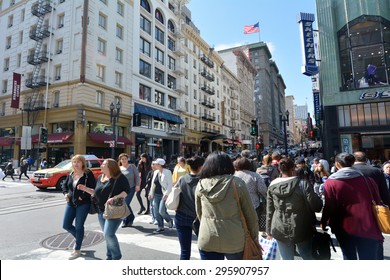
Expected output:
(64, 241)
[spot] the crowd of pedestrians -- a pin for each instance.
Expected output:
(278, 197)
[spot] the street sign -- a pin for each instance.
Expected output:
(25, 141)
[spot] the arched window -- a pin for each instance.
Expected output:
(171, 26)
(364, 45)
(145, 4)
(159, 16)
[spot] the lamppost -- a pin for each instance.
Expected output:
(233, 133)
(284, 118)
(114, 117)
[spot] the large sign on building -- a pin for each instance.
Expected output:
(309, 66)
(15, 91)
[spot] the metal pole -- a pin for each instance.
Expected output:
(113, 137)
(285, 134)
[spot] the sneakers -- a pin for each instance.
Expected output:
(170, 224)
(74, 255)
(159, 230)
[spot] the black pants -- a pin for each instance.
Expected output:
(9, 174)
(25, 174)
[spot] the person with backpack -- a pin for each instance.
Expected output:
(9, 170)
(23, 169)
(291, 203)
(267, 170)
(256, 187)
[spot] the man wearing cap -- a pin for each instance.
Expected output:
(161, 187)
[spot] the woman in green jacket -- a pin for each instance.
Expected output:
(221, 234)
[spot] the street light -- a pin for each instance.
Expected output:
(285, 120)
(114, 117)
(233, 133)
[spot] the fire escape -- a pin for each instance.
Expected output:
(36, 81)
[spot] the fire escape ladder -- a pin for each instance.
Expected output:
(37, 33)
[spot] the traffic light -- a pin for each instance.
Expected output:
(43, 135)
(254, 128)
(259, 146)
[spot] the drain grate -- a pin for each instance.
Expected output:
(64, 241)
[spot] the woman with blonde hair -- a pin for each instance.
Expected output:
(180, 169)
(78, 202)
(111, 184)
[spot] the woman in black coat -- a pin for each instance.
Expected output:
(78, 201)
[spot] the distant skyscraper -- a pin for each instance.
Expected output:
(301, 111)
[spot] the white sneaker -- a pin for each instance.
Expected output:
(74, 255)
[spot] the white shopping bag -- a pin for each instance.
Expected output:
(270, 248)
(2, 175)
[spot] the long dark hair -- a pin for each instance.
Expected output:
(217, 163)
(195, 162)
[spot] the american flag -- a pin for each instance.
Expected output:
(249, 29)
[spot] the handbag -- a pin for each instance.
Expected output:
(118, 209)
(321, 243)
(94, 208)
(270, 248)
(381, 212)
(252, 248)
(173, 198)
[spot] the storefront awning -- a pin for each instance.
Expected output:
(51, 138)
(215, 137)
(59, 137)
(190, 144)
(107, 138)
(6, 141)
(138, 108)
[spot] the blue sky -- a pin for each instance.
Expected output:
(221, 24)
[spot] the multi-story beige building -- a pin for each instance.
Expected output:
(77, 58)
(73, 58)
(237, 61)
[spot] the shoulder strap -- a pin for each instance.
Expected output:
(112, 189)
(243, 221)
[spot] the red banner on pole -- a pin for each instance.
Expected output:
(16, 90)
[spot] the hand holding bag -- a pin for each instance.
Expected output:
(270, 248)
(381, 212)
(173, 198)
(118, 209)
(252, 248)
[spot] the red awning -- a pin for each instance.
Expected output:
(51, 138)
(107, 138)
(6, 141)
(59, 137)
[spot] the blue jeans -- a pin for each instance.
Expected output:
(219, 256)
(160, 210)
(287, 249)
(354, 246)
(183, 224)
(109, 228)
(79, 215)
(129, 219)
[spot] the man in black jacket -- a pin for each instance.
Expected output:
(376, 174)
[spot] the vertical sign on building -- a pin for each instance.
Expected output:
(16, 90)
(309, 66)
